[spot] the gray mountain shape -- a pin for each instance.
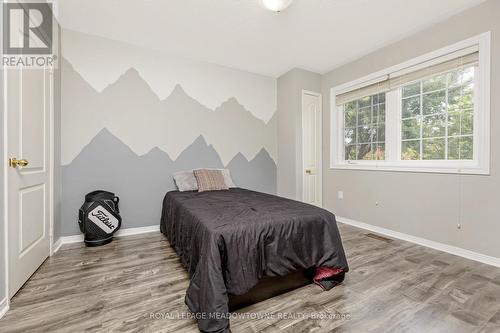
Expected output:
(176, 120)
(141, 182)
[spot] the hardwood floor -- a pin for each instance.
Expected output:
(131, 285)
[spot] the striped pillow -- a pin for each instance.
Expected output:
(210, 180)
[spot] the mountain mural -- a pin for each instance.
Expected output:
(131, 110)
(141, 181)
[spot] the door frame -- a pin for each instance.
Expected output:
(5, 158)
(320, 167)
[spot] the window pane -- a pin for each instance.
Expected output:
(434, 126)
(364, 102)
(410, 150)
(364, 128)
(467, 122)
(380, 135)
(454, 99)
(365, 116)
(410, 129)
(434, 83)
(454, 123)
(467, 101)
(411, 107)
(350, 118)
(379, 153)
(350, 152)
(381, 113)
(434, 102)
(365, 152)
(460, 148)
(411, 90)
(365, 134)
(445, 117)
(454, 148)
(433, 149)
(466, 148)
(455, 78)
(351, 106)
(350, 136)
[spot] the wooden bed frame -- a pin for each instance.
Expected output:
(269, 287)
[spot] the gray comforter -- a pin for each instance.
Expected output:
(228, 240)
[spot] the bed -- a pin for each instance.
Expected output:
(231, 240)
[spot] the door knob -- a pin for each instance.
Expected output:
(14, 162)
(308, 171)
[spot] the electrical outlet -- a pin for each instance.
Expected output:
(341, 195)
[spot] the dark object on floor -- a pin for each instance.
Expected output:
(99, 217)
(269, 287)
(327, 278)
(230, 240)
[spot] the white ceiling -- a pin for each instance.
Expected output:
(317, 35)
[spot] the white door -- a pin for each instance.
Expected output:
(28, 94)
(311, 148)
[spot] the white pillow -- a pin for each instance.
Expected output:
(186, 181)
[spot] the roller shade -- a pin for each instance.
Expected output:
(459, 60)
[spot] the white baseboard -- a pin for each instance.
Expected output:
(4, 306)
(137, 231)
(119, 233)
(483, 258)
(57, 245)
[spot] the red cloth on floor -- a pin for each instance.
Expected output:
(323, 273)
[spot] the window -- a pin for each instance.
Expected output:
(364, 127)
(429, 114)
(437, 117)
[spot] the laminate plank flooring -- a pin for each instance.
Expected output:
(137, 284)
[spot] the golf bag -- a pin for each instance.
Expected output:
(99, 217)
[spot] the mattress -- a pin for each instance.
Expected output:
(229, 240)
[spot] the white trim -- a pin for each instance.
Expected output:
(137, 231)
(320, 143)
(56, 246)
(5, 172)
(483, 258)
(51, 161)
(4, 306)
(481, 163)
(119, 233)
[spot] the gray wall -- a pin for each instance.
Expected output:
(290, 86)
(57, 140)
(109, 162)
(424, 205)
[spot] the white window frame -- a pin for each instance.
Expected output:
(480, 164)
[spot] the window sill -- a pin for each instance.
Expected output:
(466, 170)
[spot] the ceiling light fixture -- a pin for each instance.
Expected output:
(276, 5)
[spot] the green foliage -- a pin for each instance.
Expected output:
(434, 149)
(410, 150)
(434, 126)
(411, 107)
(444, 121)
(364, 128)
(434, 102)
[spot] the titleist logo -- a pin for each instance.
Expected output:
(103, 217)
